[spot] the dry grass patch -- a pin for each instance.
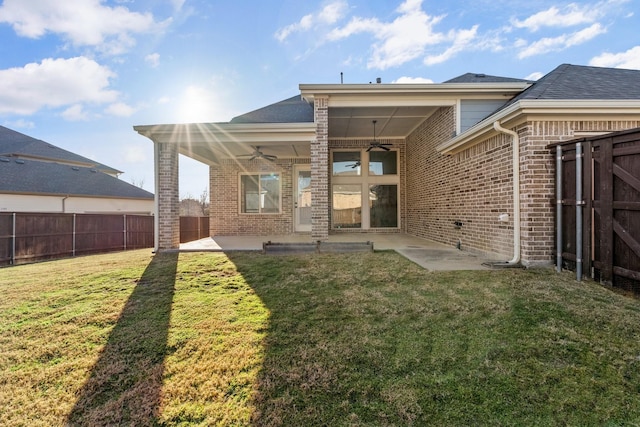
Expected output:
(331, 339)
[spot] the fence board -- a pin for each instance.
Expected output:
(41, 236)
(611, 187)
(193, 228)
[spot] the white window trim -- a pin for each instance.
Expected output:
(241, 174)
(366, 180)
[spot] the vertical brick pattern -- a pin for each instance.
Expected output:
(320, 171)
(168, 196)
(225, 217)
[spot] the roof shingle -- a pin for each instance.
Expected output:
(23, 176)
(17, 144)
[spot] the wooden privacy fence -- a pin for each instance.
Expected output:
(29, 237)
(193, 228)
(598, 208)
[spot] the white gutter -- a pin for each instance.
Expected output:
(516, 190)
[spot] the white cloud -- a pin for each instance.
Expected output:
(405, 79)
(408, 36)
(54, 83)
(629, 59)
(120, 109)
(177, 4)
(559, 43)
(534, 76)
(75, 113)
(20, 124)
(328, 15)
(82, 22)
(462, 40)
(571, 15)
(153, 59)
(405, 38)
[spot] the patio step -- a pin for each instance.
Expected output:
(315, 247)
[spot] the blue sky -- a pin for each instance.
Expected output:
(80, 73)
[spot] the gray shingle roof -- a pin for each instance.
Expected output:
(581, 82)
(483, 78)
(22, 176)
(291, 110)
(17, 144)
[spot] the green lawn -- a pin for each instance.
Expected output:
(338, 340)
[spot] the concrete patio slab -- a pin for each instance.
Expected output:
(430, 255)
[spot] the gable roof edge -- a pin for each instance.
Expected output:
(522, 108)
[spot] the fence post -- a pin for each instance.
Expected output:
(125, 231)
(13, 240)
(73, 233)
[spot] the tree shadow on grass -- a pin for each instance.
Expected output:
(125, 384)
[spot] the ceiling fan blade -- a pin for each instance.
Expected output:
(269, 157)
(370, 148)
(384, 148)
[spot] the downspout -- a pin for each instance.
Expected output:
(516, 191)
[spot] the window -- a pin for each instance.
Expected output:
(383, 206)
(365, 189)
(260, 193)
(347, 163)
(347, 206)
(383, 163)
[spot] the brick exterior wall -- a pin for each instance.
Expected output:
(225, 217)
(475, 186)
(320, 171)
(168, 196)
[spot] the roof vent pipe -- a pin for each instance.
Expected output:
(378, 80)
(516, 190)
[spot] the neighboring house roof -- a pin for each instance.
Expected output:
(16, 144)
(484, 78)
(291, 110)
(24, 176)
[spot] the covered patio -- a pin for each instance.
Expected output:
(348, 143)
(430, 255)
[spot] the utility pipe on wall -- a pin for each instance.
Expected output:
(559, 243)
(516, 190)
(579, 204)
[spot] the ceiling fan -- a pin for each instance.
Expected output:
(375, 143)
(257, 154)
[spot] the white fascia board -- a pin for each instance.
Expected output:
(549, 109)
(308, 91)
(205, 133)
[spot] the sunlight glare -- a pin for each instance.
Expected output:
(198, 105)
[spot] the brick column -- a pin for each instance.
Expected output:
(167, 196)
(320, 171)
